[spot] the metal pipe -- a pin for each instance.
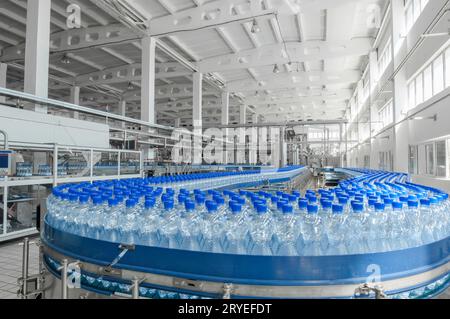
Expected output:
(135, 291)
(5, 136)
(25, 255)
(64, 279)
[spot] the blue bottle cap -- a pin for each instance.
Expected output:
(413, 203)
(379, 206)
(403, 199)
(425, 202)
(189, 205)
(388, 201)
(168, 204)
(112, 202)
(72, 197)
(211, 206)
(312, 199)
(261, 209)
(337, 209)
(97, 200)
(84, 199)
(130, 203)
(343, 200)
(302, 203)
(326, 204)
(357, 206)
(433, 200)
(219, 200)
(149, 203)
(235, 207)
(199, 199)
(287, 209)
(312, 209)
(372, 202)
(397, 205)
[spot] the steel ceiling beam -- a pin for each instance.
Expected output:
(295, 80)
(293, 52)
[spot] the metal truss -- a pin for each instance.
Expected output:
(75, 39)
(294, 80)
(293, 52)
(213, 14)
(131, 73)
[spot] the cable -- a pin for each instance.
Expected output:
(214, 25)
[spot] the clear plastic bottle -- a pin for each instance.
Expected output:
(286, 233)
(260, 232)
(312, 231)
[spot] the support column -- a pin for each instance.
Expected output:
(283, 147)
(123, 111)
(197, 116)
(400, 133)
(37, 50)
(75, 99)
(148, 86)
(242, 150)
(374, 124)
(224, 120)
(3, 72)
(177, 122)
(253, 155)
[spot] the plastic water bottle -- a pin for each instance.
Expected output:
(427, 221)
(311, 230)
(235, 229)
(286, 233)
(127, 222)
(211, 229)
(336, 231)
(168, 231)
(147, 232)
(189, 228)
(356, 241)
(260, 232)
(109, 231)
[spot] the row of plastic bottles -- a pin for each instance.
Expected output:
(24, 169)
(369, 213)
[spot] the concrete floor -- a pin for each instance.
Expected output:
(11, 268)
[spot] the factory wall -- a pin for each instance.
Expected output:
(32, 127)
(412, 126)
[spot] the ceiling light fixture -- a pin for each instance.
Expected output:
(276, 69)
(255, 27)
(65, 59)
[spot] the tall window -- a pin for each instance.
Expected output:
(419, 89)
(386, 115)
(412, 163)
(441, 159)
(434, 78)
(438, 74)
(429, 156)
(447, 67)
(412, 94)
(385, 58)
(428, 83)
(413, 9)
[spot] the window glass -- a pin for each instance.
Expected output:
(412, 159)
(424, 3)
(429, 153)
(416, 9)
(412, 95)
(427, 84)
(441, 157)
(419, 89)
(447, 67)
(438, 75)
